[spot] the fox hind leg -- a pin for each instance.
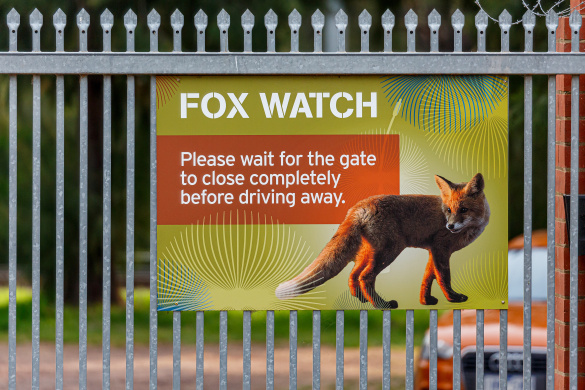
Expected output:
(367, 278)
(364, 256)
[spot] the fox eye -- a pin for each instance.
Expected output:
(449, 210)
(463, 209)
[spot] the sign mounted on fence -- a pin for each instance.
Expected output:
(332, 192)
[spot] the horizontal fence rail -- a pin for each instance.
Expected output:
(200, 62)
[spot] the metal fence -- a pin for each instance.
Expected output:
(131, 64)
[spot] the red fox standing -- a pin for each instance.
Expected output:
(377, 229)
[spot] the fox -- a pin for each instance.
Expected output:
(377, 229)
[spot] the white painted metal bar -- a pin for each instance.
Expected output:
(153, 21)
(316, 349)
(59, 21)
(177, 22)
(339, 352)
(269, 349)
(575, 22)
(292, 375)
(247, 350)
(130, 21)
(83, 25)
(386, 348)
(13, 21)
(107, 21)
(199, 349)
(552, 22)
(363, 349)
(36, 22)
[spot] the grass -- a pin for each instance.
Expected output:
(165, 324)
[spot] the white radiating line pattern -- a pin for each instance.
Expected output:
(481, 148)
(415, 176)
(483, 278)
(239, 252)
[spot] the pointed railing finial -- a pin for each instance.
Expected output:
(434, 20)
(270, 20)
(481, 20)
(107, 20)
(505, 20)
(365, 20)
(341, 19)
(388, 22)
(318, 20)
(458, 20)
(36, 19)
(411, 20)
(529, 20)
(201, 20)
(248, 20)
(153, 20)
(130, 20)
(59, 20)
(177, 21)
(552, 19)
(82, 20)
(575, 20)
(13, 19)
(223, 19)
(294, 19)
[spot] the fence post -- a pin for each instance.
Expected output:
(565, 377)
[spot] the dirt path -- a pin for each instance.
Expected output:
(165, 367)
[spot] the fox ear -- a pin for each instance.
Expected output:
(444, 185)
(475, 185)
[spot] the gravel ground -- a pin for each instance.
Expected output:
(165, 367)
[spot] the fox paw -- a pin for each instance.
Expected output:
(392, 304)
(457, 298)
(429, 300)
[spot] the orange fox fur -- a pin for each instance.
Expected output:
(377, 229)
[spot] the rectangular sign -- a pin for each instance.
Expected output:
(332, 192)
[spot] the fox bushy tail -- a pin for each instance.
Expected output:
(340, 250)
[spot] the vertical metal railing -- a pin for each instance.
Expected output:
(83, 25)
(36, 22)
(130, 21)
(59, 21)
(552, 22)
(153, 21)
(575, 22)
(13, 21)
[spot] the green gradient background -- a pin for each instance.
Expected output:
(479, 270)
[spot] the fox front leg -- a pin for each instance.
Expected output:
(443, 275)
(425, 296)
